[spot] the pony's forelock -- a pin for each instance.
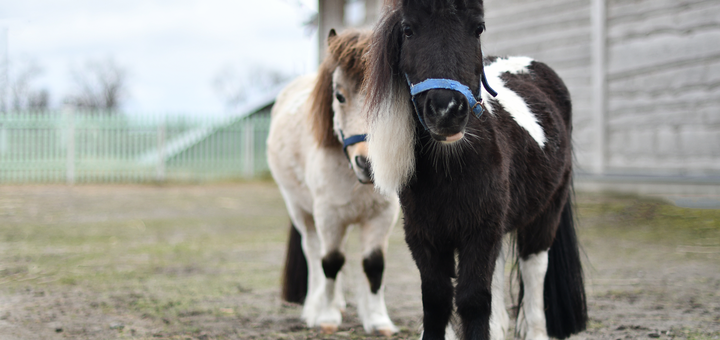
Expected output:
(391, 139)
(383, 57)
(321, 112)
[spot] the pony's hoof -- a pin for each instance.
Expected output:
(386, 332)
(327, 328)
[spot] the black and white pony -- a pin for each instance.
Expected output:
(471, 165)
(318, 157)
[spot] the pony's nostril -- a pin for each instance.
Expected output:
(362, 162)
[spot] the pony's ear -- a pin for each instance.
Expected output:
(321, 111)
(331, 36)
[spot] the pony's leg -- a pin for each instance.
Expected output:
(532, 313)
(329, 300)
(311, 247)
(437, 267)
(534, 241)
(476, 265)
(371, 307)
(499, 320)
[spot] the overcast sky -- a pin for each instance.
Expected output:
(172, 49)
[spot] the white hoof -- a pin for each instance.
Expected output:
(316, 313)
(386, 332)
(328, 328)
(449, 332)
(529, 333)
(499, 325)
(385, 329)
(380, 324)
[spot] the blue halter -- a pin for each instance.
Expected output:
(352, 140)
(475, 103)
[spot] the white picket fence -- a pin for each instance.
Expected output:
(82, 147)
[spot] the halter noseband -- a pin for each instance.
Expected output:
(476, 103)
(352, 140)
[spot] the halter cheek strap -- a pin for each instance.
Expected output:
(449, 84)
(352, 140)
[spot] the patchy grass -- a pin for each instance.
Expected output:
(651, 220)
(144, 252)
(204, 262)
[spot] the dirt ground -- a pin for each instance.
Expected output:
(204, 262)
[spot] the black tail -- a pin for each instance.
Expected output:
(295, 274)
(565, 305)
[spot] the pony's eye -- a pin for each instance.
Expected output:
(407, 31)
(480, 28)
(340, 97)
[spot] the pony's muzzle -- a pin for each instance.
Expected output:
(360, 163)
(363, 165)
(446, 114)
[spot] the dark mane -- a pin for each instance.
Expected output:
(346, 51)
(383, 56)
(430, 5)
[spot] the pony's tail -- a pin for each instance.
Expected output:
(564, 295)
(295, 274)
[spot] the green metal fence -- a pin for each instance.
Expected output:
(83, 147)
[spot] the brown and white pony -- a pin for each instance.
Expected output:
(326, 188)
(470, 167)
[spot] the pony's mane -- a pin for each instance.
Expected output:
(383, 57)
(440, 4)
(391, 139)
(347, 51)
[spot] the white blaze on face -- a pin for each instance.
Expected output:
(511, 101)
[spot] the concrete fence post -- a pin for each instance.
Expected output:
(598, 20)
(331, 14)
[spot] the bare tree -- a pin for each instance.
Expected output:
(235, 88)
(24, 97)
(101, 85)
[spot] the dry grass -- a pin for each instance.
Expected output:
(203, 262)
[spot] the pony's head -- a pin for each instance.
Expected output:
(418, 40)
(338, 98)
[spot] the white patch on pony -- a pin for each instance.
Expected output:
(531, 321)
(373, 312)
(511, 101)
(371, 307)
(444, 112)
(449, 332)
(499, 320)
(391, 141)
(514, 65)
